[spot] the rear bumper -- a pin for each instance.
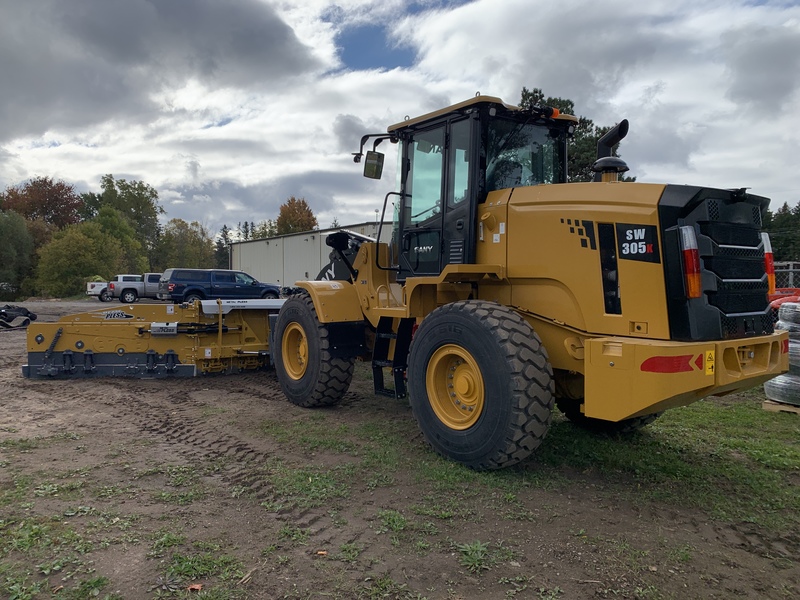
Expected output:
(626, 377)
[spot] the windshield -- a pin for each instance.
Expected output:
(522, 154)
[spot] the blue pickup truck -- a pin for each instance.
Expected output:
(188, 285)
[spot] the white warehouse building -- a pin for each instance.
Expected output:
(287, 259)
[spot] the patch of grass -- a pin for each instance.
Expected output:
(386, 587)
(290, 533)
(55, 490)
(517, 584)
(163, 541)
(107, 521)
(36, 537)
(90, 588)
(21, 485)
(311, 433)
(307, 487)
(391, 521)
(20, 444)
(444, 507)
(479, 556)
(180, 498)
(681, 554)
(446, 476)
(349, 552)
(17, 583)
(112, 491)
(181, 475)
(207, 564)
(727, 457)
(474, 556)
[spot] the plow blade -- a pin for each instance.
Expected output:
(152, 340)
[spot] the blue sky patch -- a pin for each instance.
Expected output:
(369, 47)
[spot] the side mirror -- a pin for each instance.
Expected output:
(373, 164)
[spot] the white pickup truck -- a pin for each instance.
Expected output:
(99, 289)
(129, 288)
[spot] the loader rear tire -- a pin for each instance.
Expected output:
(572, 410)
(309, 375)
(481, 385)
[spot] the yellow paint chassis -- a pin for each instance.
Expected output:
(154, 340)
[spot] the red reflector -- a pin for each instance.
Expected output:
(668, 364)
(785, 347)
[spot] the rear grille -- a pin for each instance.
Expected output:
(727, 224)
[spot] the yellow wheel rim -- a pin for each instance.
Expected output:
(294, 346)
(455, 387)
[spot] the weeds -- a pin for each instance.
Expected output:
(474, 556)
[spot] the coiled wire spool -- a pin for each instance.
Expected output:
(786, 388)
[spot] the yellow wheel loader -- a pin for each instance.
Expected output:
(506, 290)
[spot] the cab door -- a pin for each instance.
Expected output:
(421, 238)
(437, 219)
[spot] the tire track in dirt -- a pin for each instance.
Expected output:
(173, 421)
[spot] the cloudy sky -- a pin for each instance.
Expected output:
(229, 107)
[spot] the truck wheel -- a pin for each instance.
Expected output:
(572, 410)
(128, 296)
(104, 296)
(309, 375)
(190, 299)
(270, 296)
(481, 385)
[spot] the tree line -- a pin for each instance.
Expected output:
(55, 240)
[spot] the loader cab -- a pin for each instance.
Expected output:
(450, 162)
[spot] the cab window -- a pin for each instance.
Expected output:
(424, 183)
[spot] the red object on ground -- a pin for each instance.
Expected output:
(784, 293)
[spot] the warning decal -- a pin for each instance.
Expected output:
(709, 362)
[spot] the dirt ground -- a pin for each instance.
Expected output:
(113, 448)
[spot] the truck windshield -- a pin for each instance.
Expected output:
(522, 154)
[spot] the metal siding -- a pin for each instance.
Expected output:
(286, 259)
(301, 257)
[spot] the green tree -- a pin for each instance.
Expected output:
(137, 201)
(73, 256)
(114, 224)
(222, 247)
(54, 202)
(185, 244)
(582, 149)
(265, 229)
(783, 227)
(16, 253)
(295, 216)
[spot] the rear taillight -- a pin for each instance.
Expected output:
(769, 263)
(111, 286)
(171, 286)
(691, 262)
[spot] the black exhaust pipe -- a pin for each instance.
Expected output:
(609, 140)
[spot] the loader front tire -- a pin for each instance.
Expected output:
(481, 385)
(308, 374)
